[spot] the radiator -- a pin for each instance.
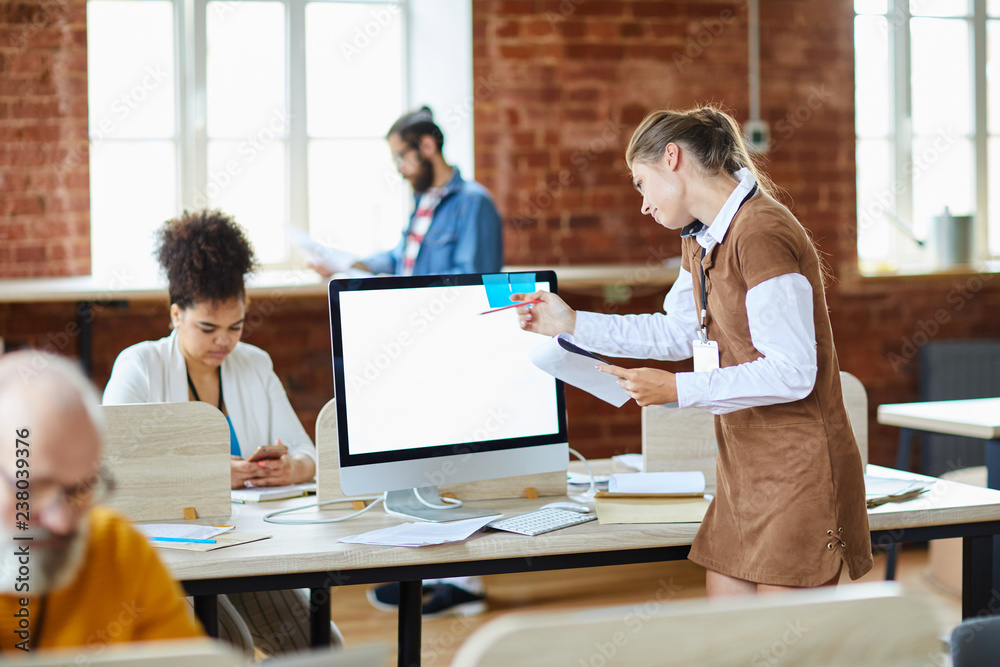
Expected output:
(954, 370)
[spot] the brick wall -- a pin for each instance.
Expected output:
(568, 80)
(45, 209)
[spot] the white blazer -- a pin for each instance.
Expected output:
(155, 372)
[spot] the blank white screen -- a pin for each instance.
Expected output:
(423, 368)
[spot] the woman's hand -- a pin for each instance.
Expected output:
(648, 386)
(240, 471)
(289, 469)
(550, 317)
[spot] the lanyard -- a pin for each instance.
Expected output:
(194, 391)
(703, 332)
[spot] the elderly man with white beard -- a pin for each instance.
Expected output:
(71, 573)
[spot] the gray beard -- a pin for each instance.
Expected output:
(50, 567)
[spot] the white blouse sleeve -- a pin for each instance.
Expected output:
(665, 336)
(129, 382)
(780, 313)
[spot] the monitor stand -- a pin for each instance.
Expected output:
(407, 503)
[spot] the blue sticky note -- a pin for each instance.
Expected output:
(499, 287)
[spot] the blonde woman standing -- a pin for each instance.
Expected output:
(749, 306)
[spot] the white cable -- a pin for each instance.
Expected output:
(449, 503)
(375, 500)
(592, 489)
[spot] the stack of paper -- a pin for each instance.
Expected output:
(419, 534)
(653, 497)
(882, 490)
(666, 484)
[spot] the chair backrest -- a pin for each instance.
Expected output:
(975, 642)
(328, 471)
(856, 403)
(857, 624)
(166, 457)
(684, 439)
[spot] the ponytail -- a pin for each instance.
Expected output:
(711, 135)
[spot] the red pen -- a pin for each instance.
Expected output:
(513, 305)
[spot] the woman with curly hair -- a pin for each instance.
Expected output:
(206, 256)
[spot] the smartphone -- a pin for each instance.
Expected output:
(268, 452)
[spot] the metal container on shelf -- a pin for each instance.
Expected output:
(951, 239)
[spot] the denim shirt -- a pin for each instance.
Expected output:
(465, 235)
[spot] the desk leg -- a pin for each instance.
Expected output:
(206, 608)
(319, 616)
(993, 482)
(410, 603)
(979, 594)
(902, 463)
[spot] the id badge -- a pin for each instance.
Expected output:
(706, 355)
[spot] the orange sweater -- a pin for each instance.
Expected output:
(123, 593)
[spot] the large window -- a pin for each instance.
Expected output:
(927, 111)
(273, 110)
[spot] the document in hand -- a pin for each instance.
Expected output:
(561, 358)
(333, 260)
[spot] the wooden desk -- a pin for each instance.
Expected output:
(310, 556)
(972, 418)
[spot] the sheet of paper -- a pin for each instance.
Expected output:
(421, 533)
(633, 461)
(335, 261)
(583, 479)
(650, 510)
(578, 368)
(658, 482)
(221, 541)
(892, 486)
(185, 531)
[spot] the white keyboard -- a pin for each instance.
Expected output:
(540, 521)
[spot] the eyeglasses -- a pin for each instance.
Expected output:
(399, 158)
(43, 495)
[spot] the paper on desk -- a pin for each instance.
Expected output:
(893, 486)
(256, 494)
(633, 461)
(561, 358)
(224, 540)
(650, 509)
(184, 531)
(420, 533)
(659, 483)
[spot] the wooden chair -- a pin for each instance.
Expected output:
(684, 439)
(328, 471)
(859, 624)
(166, 457)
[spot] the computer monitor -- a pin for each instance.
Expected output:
(430, 391)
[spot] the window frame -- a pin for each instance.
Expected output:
(901, 135)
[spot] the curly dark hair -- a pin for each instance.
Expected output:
(206, 256)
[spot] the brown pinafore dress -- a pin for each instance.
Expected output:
(789, 506)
